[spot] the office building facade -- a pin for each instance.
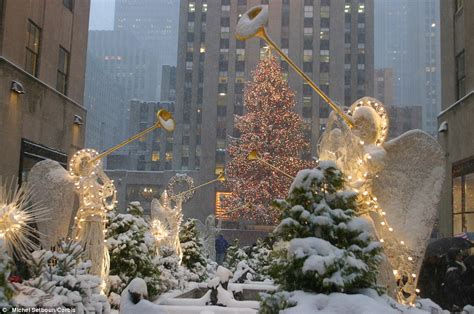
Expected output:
(42, 61)
(455, 127)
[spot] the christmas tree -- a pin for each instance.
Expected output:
(275, 132)
(132, 249)
(322, 246)
(193, 249)
(259, 259)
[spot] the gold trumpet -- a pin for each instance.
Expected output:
(220, 177)
(164, 119)
(253, 155)
(84, 161)
(252, 24)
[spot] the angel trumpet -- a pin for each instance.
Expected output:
(220, 177)
(253, 155)
(164, 119)
(252, 24)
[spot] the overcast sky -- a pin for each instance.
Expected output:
(102, 14)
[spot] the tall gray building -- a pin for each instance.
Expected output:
(155, 25)
(168, 83)
(407, 40)
(126, 61)
(106, 107)
(332, 41)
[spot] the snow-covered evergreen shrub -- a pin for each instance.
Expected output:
(234, 255)
(194, 258)
(259, 260)
(275, 302)
(5, 266)
(132, 249)
(172, 274)
(60, 278)
(323, 247)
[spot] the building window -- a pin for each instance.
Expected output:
(463, 198)
(63, 68)
(69, 4)
(460, 75)
(32, 48)
(221, 212)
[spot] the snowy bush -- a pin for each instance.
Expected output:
(60, 279)
(132, 250)
(259, 259)
(322, 246)
(5, 287)
(172, 274)
(192, 246)
(234, 255)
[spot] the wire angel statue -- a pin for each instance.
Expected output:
(170, 218)
(399, 183)
(208, 231)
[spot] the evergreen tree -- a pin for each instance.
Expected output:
(132, 249)
(63, 278)
(194, 258)
(272, 128)
(235, 254)
(259, 260)
(323, 247)
(172, 274)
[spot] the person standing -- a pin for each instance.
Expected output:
(221, 249)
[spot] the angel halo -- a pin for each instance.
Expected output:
(399, 183)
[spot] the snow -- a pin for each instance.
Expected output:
(137, 285)
(304, 178)
(247, 27)
(368, 302)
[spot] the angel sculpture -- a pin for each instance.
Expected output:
(170, 220)
(97, 195)
(399, 184)
(208, 231)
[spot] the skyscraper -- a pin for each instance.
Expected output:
(332, 41)
(407, 40)
(154, 23)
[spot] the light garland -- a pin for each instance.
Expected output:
(181, 178)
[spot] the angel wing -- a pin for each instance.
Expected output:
(409, 185)
(54, 188)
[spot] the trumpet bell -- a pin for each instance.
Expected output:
(252, 22)
(165, 119)
(253, 155)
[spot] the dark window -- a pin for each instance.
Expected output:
(191, 16)
(69, 4)
(240, 66)
(224, 43)
(308, 22)
(239, 88)
(221, 111)
(460, 75)
(307, 112)
(225, 2)
(63, 69)
(324, 44)
(225, 21)
(32, 48)
(324, 22)
(308, 44)
(285, 43)
(242, 2)
(324, 67)
(308, 67)
(264, 1)
(307, 90)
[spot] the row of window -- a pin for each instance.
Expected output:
(32, 54)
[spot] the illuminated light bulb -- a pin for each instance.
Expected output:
(382, 223)
(402, 242)
(365, 193)
(383, 213)
(417, 290)
(375, 199)
(382, 240)
(413, 275)
(395, 272)
(410, 258)
(361, 142)
(349, 177)
(390, 229)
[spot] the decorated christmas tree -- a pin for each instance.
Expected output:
(132, 249)
(272, 129)
(234, 255)
(322, 246)
(194, 258)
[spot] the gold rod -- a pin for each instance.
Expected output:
(199, 186)
(131, 139)
(275, 168)
(263, 34)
